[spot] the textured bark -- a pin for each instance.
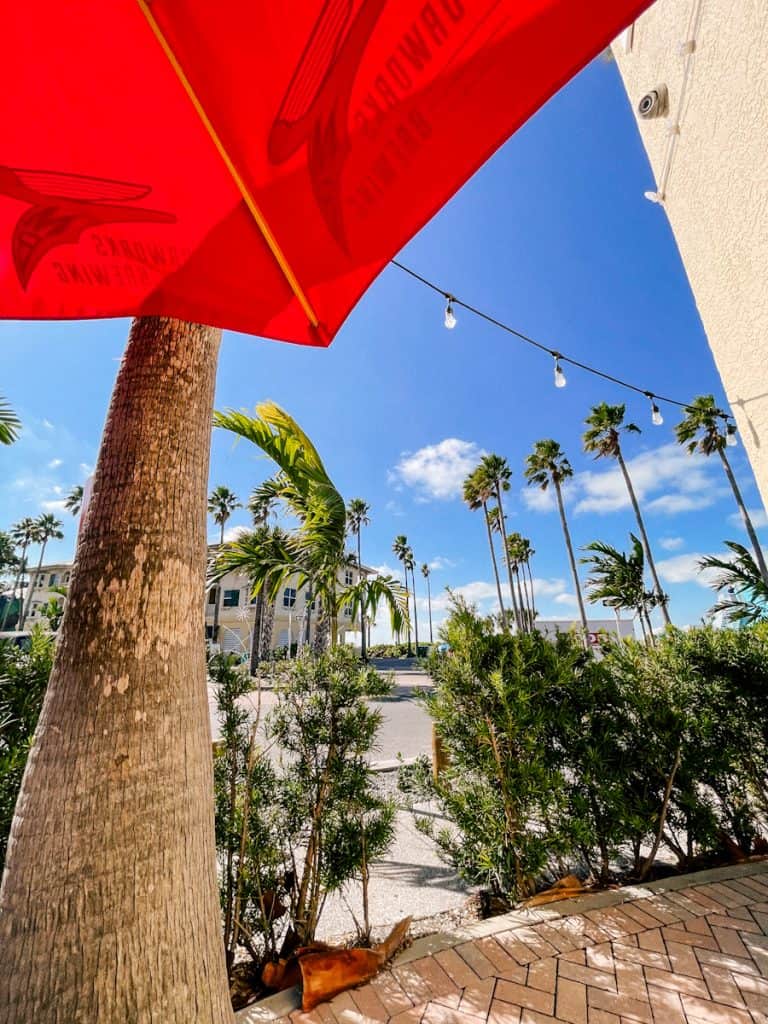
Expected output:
(109, 907)
(572, 561)
(745, 517)
(646, 543)
(505, 624)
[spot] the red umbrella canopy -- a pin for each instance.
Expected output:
(250, 164)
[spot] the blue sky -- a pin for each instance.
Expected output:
(554, 236)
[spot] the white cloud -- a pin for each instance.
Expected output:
(54, 506)
(387, 570)
(671, 543)
(671, 504)
(437, 471)
(667, 480)
(757, 515)
(47, 424)
(233, 532)
(55, 463)
(86, 468)
(569, 599)
(394, 508)
(441, 563)
(685, 569)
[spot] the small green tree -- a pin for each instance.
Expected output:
(493, 706)
(335, 824)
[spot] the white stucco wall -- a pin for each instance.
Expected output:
(716, 195)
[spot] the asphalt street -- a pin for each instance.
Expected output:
(406, 729)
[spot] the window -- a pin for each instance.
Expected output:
(52, 580)
(231, 599)
(349, 578)
(289, 597)
(212, 595)
(40, 581)
(347, 611)
(66, 578)
(254, 599)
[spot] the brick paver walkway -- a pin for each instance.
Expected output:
(688, 951)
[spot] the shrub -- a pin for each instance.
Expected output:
(307, 823)
(23, 679)
(555, 756)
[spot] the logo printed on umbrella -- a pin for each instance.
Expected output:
(316, 105)
(63, 206)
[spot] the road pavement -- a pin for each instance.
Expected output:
(411, 879)
(405, 730)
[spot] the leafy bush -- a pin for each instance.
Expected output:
(23, 679)
(557, 757)
(308, 822)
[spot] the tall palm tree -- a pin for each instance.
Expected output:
(617, 580)
(477, 492)
(746, 599)
(495, 469)
(74, 500)
(10, 424)
(518, 551)
(128, 658)
(547, 465)
(221, 504)
(425, 572)
(400, 550)
(702, 430)
(358, 517)
(22, 534)
(603, 439)
(315, 553)
(47, 527)
(526, 554)
(410, 564)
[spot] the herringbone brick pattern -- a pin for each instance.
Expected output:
(698, 955)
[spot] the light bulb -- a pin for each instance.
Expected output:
(450, 319)
(730, 435)
(656, 418)
(560, 380)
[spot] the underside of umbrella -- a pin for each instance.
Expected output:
(254, 165)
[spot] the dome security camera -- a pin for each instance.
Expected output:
(655, 103)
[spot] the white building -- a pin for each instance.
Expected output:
(706, 135)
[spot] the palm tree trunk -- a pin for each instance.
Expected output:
(217, 604)
(521, 601)
(363, 648)
(28, 602)
(746, 519)
(16, 582)
(503, 528)
(415, 612)
(533, 596)
(405, 574)
(572, 560)
(429, 605)
(495, 568)
(644, 536)
(109, 906)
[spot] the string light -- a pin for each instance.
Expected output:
(656, 418)
(560, 379)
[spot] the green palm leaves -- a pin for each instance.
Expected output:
(315, 552)
(10, 424)
(746, 599)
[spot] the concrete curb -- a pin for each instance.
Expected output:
(284, 1003)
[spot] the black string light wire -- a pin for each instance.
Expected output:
(452, 302)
